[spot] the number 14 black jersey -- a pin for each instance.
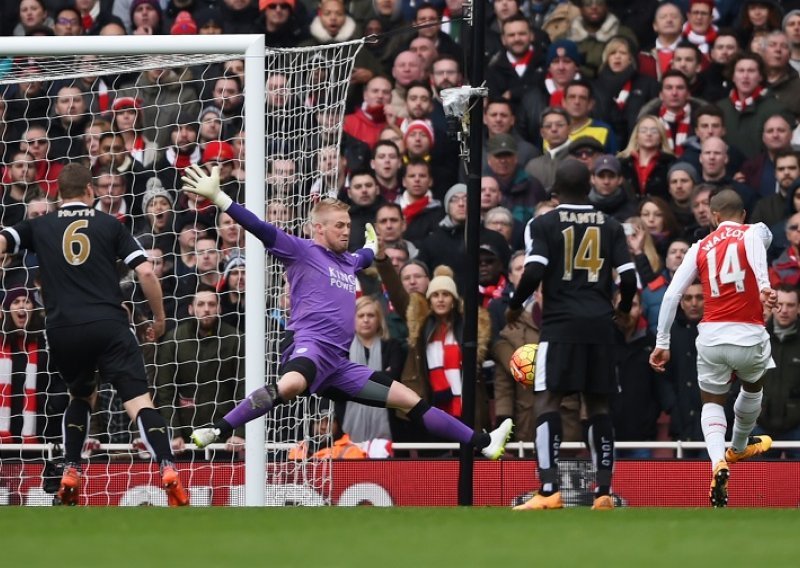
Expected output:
(579, 247)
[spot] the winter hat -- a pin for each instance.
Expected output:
(684, 167)
(563, 48)
(184, 24)
(122, 103)
(208, 16)
(155, 189)
(154, 3)
(235, 261)
(217, 151)
(13, 294)
(418, 124)
(501, 144)
(442, 282)
(263, 4)
(456, 189)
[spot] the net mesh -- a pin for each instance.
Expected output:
(137, 121)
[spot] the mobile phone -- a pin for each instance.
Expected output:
(628, 228)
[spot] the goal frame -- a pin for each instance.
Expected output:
(251, 48)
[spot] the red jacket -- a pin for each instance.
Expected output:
(360, 126)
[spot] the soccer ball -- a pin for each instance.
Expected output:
(523, 364)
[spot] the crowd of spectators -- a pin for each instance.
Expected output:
(664, 102)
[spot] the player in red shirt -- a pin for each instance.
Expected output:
(731, 264)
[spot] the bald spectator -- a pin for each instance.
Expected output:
(592, 30)
(759, 171)
(514, 69)
(407, 69)
(668, 25)
(749, 105)
(713, 159)
(369, 119)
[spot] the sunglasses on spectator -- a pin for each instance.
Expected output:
(67, 21)
(587, 153)
(36, 141)
(793, 227)
(281, 6)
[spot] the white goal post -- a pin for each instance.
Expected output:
(136, 53)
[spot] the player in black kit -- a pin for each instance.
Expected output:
(572, 251)
(87, 327)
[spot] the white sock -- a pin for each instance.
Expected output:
(714, 425)
(746, 408)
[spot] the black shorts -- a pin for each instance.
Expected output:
(106, 346)
(575, 367)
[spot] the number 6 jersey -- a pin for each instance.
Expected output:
(731, 264)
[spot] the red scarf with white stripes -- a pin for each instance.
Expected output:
(492, 291)
(702, 41)
(556, 94)
(682, 121)
(740, 104)
(622, 98)
(443, 355)
(28, 432)
(520, 64)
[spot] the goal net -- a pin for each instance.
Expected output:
(137, 113)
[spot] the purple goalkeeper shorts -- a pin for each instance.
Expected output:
(335, 373)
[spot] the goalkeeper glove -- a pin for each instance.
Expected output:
(370, 238)
(198, 181)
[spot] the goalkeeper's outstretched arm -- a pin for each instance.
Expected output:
(199, 182)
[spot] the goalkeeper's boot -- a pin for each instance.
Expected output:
(718, 493)
(205, 436)
(70, 488)
(177, 496)
(756, 445)
(499, 436)
(603, 503)
(540, 502)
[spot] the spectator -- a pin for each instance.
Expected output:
(282, 178)
(227, 97)
(189, 228)
(682, 177)
(779, 412)
(231, 288)
(182, 152)
(709, 121)
(668, 24)
(758, 17)
(333, 172)
(771, 209)
(682, 394)
(514, 69)
(126, 121)
(492, 280)
(501, 220)
(158, 219)
(146, 17)
(390, 225)
(373, 347)
(579, 101)
(701, 210)
(653, 293)
(520, 192)
(421, 211)
(555, 124)
(110, 197)
(37, 145)
(283, 25)
(445, 74)
(32, 14)
(498, 118)
(407, 70)
(68, 121)
(211, 122)
(647, 158)
(95, 14)
(659, 221)
(231, 235)
(786, 268)
(688, 60)
(748, 107)
(34, 398)
(643, 250)
(18, 187)
(587, 150)
(782, 79)
(386, 164)
(209, 21)
(91, 140)
(111, 154)
(592, 31)
(27, 101)
(369, 119)
(699, 29)
(608, 193)
(759, 171)
(791, 26)
(199, 371)
(68, 22)
(364, 199)
(675, 110)
(723, 49)
(238, 16)
(619, 78)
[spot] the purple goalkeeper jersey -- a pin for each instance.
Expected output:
(322, 283)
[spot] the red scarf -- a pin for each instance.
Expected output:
(413, 209)
(521, 64)
(682, 122)
(444, 370)
(492, 291)
(556, 94)
(741, 105)
(622, 97)
(28, 432)
(87, 22)
(702, 41)
(643, 172)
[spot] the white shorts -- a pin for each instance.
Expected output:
(717, 363)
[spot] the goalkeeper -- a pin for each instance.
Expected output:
(321, 274)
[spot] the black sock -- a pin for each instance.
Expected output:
(548, 442)
(155, 435)
(601, 438)
(75, 428)
(225, 429)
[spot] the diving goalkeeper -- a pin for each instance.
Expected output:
(321, 274)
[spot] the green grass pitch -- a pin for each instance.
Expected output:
(405, 537)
